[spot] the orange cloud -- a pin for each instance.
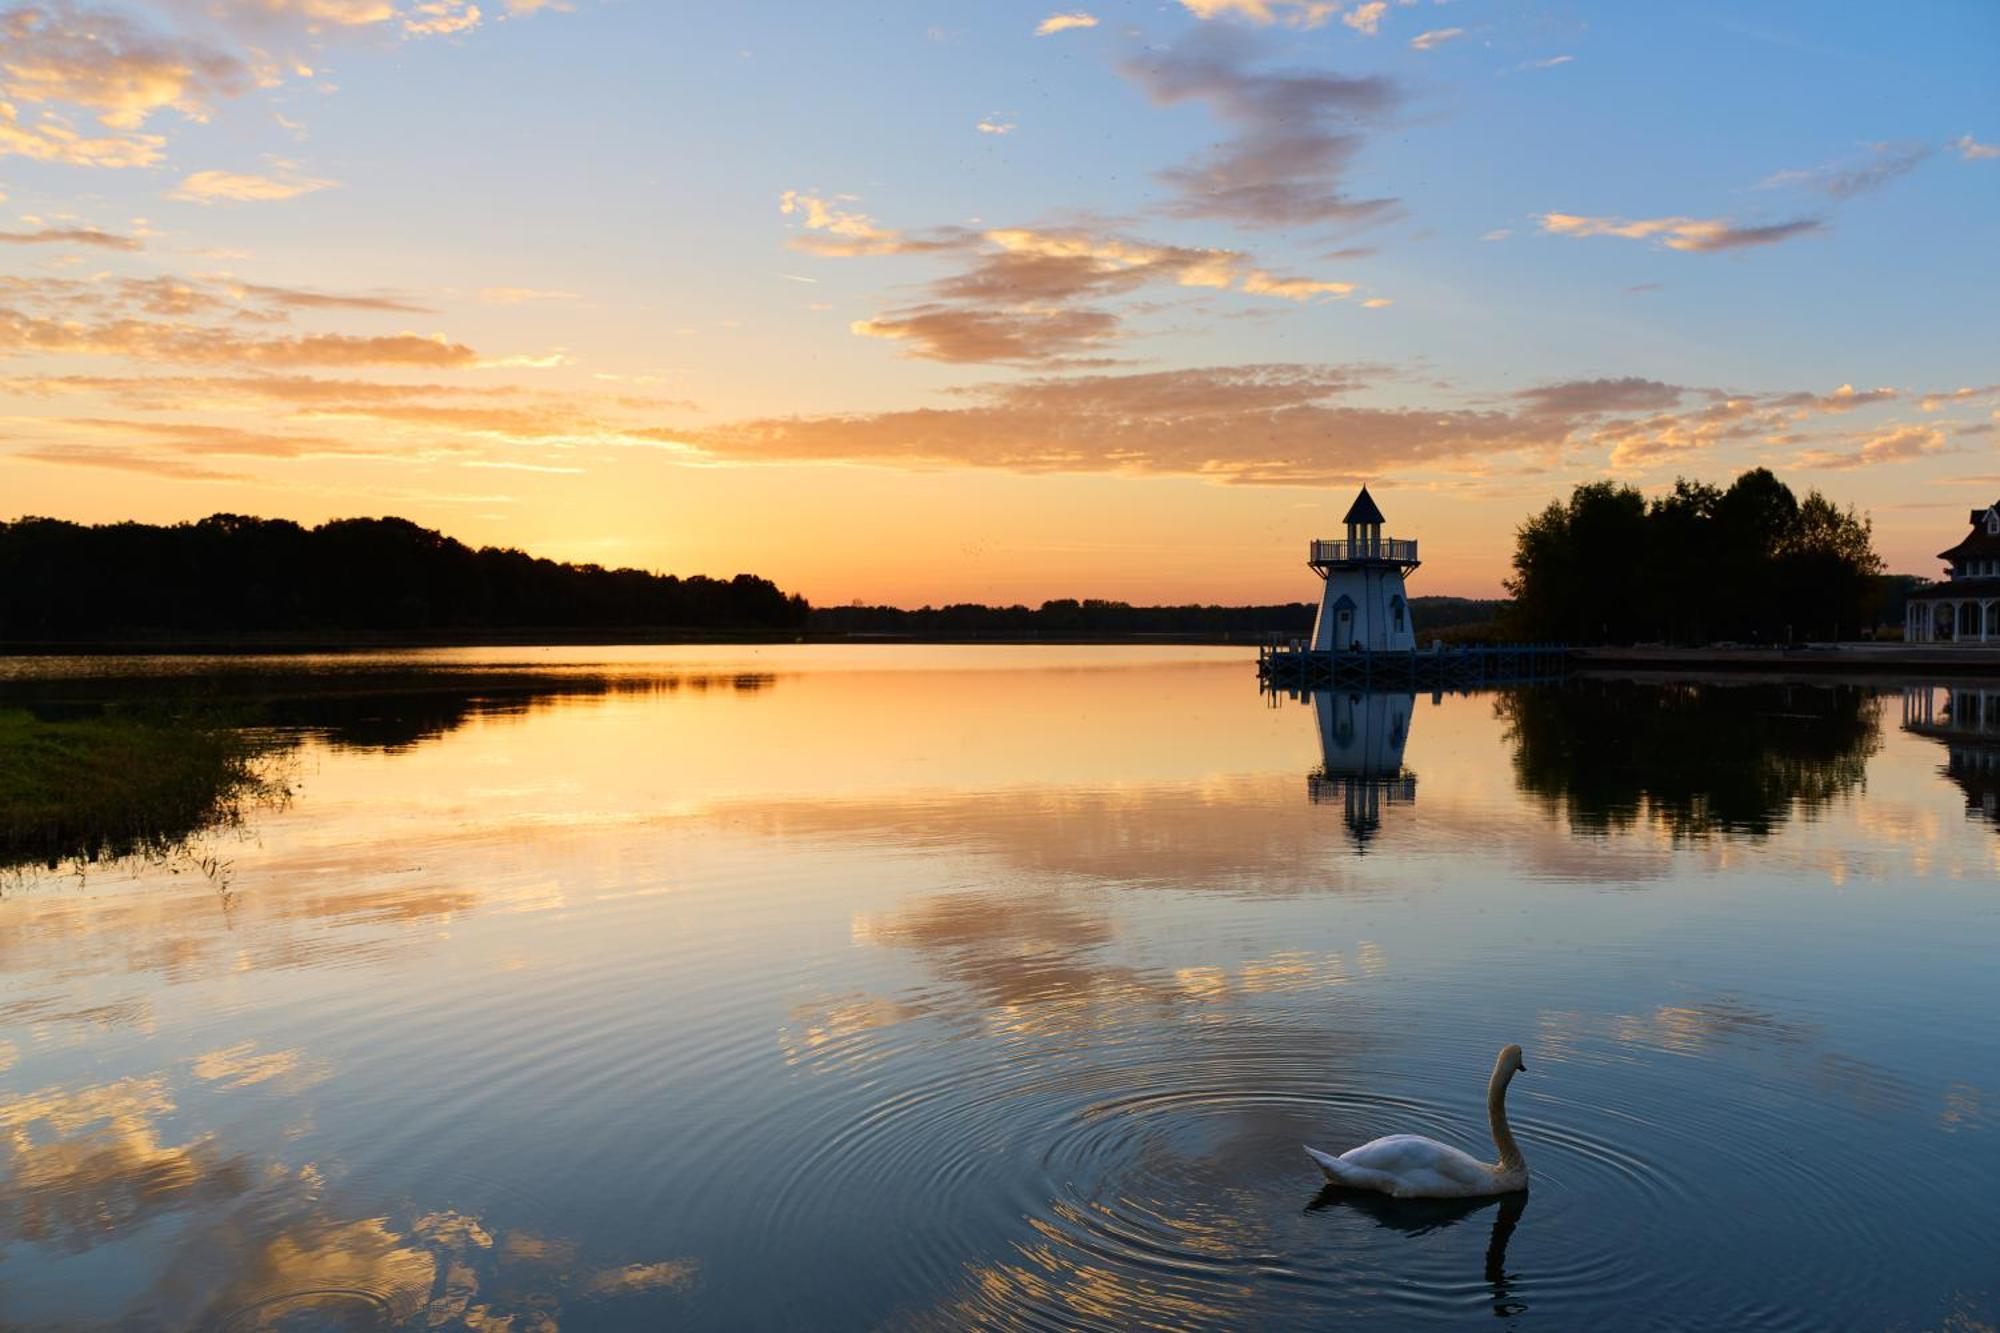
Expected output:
(1679, 233)
(209, 187)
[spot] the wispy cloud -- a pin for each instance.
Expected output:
(1436, 37)
(1296, 133)
(90, 236)
(994, 125)
(211, 187)
(1056, 23)
(523, 295)
(1366, 19)
(108, 64)
(1884, 164)
(1896, 444)
(1680, 233)
(1295, 13)
(1972, 150)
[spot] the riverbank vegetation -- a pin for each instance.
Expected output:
(231, 574)
(1699, 564)
(1096, 620)
(117, 784)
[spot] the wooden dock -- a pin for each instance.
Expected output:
(1290, 665)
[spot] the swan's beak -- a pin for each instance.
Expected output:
(1524, 1064)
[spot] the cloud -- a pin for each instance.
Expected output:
(1261, 283)
(1017, 296)
(1895, 444)
(1366, 19)
(1679, 233)
(521, 295)
(994, 125)
(1297, 13)
(1934, 401)
(1377, 303)
(1022, 337)
(70, 236)
(1257, 424)
(842, 232)
(106, 63)
(1056, 23)
(1436, 37)
(1296, 134)
(1886, 164)
(1588, 397)
(125, 460)
(208, 187)
(1972, 150)
(49, 141)
(441, 18)
(174, 341)
(299, 299)
(1844, 399)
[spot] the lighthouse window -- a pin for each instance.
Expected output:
(1396, 611)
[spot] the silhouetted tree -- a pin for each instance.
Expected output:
(234, 573)
(1698, 563)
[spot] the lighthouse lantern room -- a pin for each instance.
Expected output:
(1363, 607)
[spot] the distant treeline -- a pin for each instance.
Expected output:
(1752, 563)
(230, 574)
(1091, 618)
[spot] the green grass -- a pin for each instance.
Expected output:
(118, 784)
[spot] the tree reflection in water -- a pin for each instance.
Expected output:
(1696, 758)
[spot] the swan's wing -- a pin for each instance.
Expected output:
(1417, 1161)
(1342, 1172)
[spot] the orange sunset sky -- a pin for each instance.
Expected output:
(915, 302)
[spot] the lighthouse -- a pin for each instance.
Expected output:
(1363, 607)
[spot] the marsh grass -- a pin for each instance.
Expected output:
(122, 783)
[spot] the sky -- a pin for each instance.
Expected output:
(919, 301)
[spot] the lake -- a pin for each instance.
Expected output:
(857, 987)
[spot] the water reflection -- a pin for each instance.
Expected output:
(1692, 758)
(1965, 719)
(568, 1004)
(241, 1240)
(1361, 740)
(1421, 1217)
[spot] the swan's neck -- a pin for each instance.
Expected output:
(1496, 1113)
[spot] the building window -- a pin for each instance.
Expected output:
(1396, 613)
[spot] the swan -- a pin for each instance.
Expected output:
(1410, 1166)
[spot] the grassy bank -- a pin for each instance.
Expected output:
(112, 785)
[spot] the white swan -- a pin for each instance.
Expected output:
(1410, 1166)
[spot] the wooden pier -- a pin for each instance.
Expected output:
(1289, 665)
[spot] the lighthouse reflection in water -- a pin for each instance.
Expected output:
(1361, 740)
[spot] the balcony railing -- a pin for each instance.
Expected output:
(1385, 548)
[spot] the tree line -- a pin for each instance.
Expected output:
(1752, 563)
(1093, 618)
(229, 573)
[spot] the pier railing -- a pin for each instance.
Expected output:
(1287, 663)
(1386, 548)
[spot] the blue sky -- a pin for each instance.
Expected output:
(1209, 264)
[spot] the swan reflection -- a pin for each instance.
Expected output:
(1421, 1217)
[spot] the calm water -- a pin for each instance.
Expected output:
(856, 987)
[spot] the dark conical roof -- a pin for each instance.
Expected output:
(1363, 510)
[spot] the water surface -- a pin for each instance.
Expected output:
(900, 987)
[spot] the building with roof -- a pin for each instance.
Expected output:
(1964, 606)
(1363, 607)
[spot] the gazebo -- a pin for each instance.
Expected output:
(1963, 607)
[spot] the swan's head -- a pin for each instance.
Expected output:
(1510, 1059)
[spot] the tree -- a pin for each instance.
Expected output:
(1696, 564)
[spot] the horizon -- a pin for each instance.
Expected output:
(928, 307)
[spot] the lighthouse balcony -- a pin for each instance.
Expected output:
(1389, 550)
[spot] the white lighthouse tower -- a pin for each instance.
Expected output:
(1364, 607)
